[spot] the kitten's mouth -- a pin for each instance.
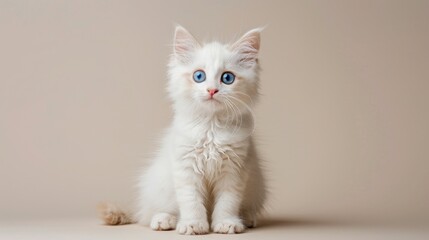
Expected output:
(212, 100)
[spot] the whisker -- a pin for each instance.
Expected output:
(241, 117)
(250, 111)
(246, 95)
(233, 108)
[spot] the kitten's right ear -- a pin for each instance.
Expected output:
(184, 44)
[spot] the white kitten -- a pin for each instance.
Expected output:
(207, 167)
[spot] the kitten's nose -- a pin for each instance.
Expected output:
(212, 91)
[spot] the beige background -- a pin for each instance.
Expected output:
(342, 123)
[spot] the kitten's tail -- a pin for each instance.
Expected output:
(112, 215)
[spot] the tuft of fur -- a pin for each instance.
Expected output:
(112, 215)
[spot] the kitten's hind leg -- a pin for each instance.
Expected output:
(163, 222)
(249, 218)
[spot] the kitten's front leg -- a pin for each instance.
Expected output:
(190, 197)
(228, 197)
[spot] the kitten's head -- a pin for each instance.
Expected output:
(214, 77)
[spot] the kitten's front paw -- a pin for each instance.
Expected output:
(193, 227)
(229, 226)
(163, 221)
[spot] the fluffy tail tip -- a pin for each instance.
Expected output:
(112, 215)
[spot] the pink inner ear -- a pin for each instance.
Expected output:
(253, 41)
(248, 47)
(184, 42)
(182, 48)
(249, 41)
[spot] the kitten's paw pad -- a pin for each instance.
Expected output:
(163, 221)
(193, 227)
(229, 226)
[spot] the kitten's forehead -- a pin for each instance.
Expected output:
(214, 55)
(214, 49)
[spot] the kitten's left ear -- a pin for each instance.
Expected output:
(248, 46)
(184, 44)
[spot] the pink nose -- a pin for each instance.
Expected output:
(212, 91)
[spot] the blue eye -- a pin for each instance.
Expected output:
(199, 76)
(227, 78)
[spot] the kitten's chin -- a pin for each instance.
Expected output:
(212, 105)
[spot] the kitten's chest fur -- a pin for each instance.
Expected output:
(216, 147)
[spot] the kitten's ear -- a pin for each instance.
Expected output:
(184, 44)
(248, 47)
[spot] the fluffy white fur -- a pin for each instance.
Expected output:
(207, 169)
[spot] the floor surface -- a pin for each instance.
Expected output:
(275, 228)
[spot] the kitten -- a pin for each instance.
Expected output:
(207, 167)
